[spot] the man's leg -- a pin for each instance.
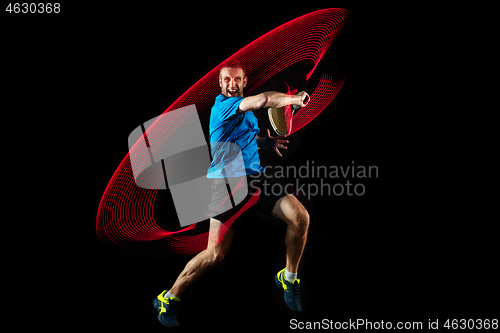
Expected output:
(206, 259)
(290, 210)
(293, 213)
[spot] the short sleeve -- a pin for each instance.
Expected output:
(228, 108)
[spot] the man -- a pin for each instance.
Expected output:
(232, 121)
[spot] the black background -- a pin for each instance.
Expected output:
(80, 82)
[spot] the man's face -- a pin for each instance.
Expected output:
(232, 81)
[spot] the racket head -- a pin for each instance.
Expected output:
(278, 120)
(281, 118)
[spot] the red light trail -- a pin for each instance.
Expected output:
(125, 213)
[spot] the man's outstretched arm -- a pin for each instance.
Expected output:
(272, 99)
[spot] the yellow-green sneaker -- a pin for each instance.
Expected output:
(167, 309)
(292, 291)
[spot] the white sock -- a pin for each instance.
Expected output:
(168, 295)
(290, 276)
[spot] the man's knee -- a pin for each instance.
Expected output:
(302, 219)
(293, 213)
(218, 254)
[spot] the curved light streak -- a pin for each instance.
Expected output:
(125, 213)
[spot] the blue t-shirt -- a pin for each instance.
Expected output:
(228, 131)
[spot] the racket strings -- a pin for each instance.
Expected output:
(278, 120)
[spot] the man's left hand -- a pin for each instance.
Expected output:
(275, 142)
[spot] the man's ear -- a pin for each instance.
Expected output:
(220, 81)
(245, 80)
